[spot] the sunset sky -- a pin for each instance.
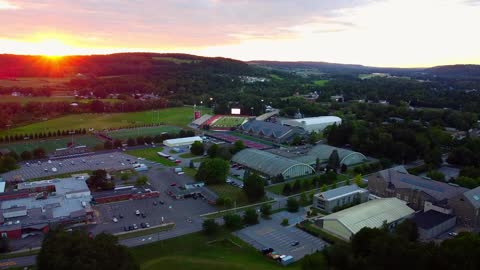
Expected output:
(404, 33)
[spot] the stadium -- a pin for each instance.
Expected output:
(221, 122)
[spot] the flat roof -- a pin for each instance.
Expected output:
(340, 192)
(2, 187)
(430, 219)
(317, 120)
(183, 140)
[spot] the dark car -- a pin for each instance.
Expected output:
(154, 203)
(125, 228)
(143, 215)
(143, 225)
(296, 243)
(161, 202)
(120, 216)
(265, 251)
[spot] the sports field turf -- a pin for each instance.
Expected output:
(197, 252)
(179, 116)
(151, 154)
(145, 131)
(228, 121)
(320, 82)
(51, 144)
(24, 100)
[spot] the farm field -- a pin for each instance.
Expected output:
(179, 116)
(35, 82)
(144, 131)
(229, 121)
(197, 251)
(24, 100)
(51, 144)
(151, 154)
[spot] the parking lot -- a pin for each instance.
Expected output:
(287, 240)
(110, 161)
(184, 212)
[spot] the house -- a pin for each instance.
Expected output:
(397, 182)
(333, 199)
(372, 214)
(431, 223)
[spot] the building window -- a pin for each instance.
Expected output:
(399, 196)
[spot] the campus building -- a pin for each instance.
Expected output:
(182, 141)
(372, 214)
(322, 152)
(333, 199)
(270, 131)
(36, 206)
(270, 165)
(316, 124)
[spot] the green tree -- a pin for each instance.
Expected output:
(39, 153)
(99, 181)
(131, 142)
(210, 227)
(213, 151)
(436, 175)
(141, 180)
(284, 222)
(213, 171)
(233, 221)
(254, 187)
(334, 160)
(7, 163)
(433, 157)
(238, 146)
(197, 148)
(266, 210)
(250, 216)
(107, 144)
(76, 250)
(287, 189)
(292, 205)
(26, 155)
(117, 143)
(314, 261)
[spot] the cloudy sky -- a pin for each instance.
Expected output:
(404, 33)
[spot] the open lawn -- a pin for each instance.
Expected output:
(51, 144)
(228, 121)
(228, 191)
(187, 155)
(151, 154)
(276, 77)
(179, 116)
(320, 82)
(24, 100)
(144, 131)
(35, 82)
(198, 252)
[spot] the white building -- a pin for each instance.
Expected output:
(372, 214)
(310, 124)
(182, 141)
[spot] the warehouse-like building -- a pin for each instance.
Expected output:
(271, 165)
(323, 152)
(372, 214)
(313, 123)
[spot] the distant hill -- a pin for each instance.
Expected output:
(450, 71)
(12, 66)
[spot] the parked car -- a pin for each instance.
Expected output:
(453, 233)
(143, 225)
(135, 226)
(173, 184)
(115, 220)
(161, 202)
(137, 212)
(296, 243)
(147, 225)
(143, 215)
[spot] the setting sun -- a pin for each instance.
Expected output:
(53, 48)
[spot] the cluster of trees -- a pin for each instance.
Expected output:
(235, 222)
(254, 187)
(9, 161)
(100, 180)
(374, 249)
(213, 171)
(41, 135)
(76, 250)
(298, 186)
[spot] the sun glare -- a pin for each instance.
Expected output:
(53, 48)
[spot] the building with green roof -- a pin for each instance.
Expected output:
(323, 152)
(271, 165)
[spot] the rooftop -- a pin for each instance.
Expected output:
(340, 192)
(268, 129)
(430, 219)
(183, 140)
(264, 162)
(371, 214)
(473, 196)
(317, 120)
(400, 178)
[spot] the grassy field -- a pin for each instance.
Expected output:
(145, 131)
(229, 191)
(187, 155)
(276, 77)
(151, 154)
(180, 116)
(51, 144)
(197, 252)
(228, 121)
(320, 82)
(145, 231)
(24, 100)
(35, 82)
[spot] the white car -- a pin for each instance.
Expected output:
(49, 162)
(115, 220)
(137, 212)
(54, 169)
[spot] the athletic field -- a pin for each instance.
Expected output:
(228, 121)
(145, 131)
(179, 116)
(51, 144)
